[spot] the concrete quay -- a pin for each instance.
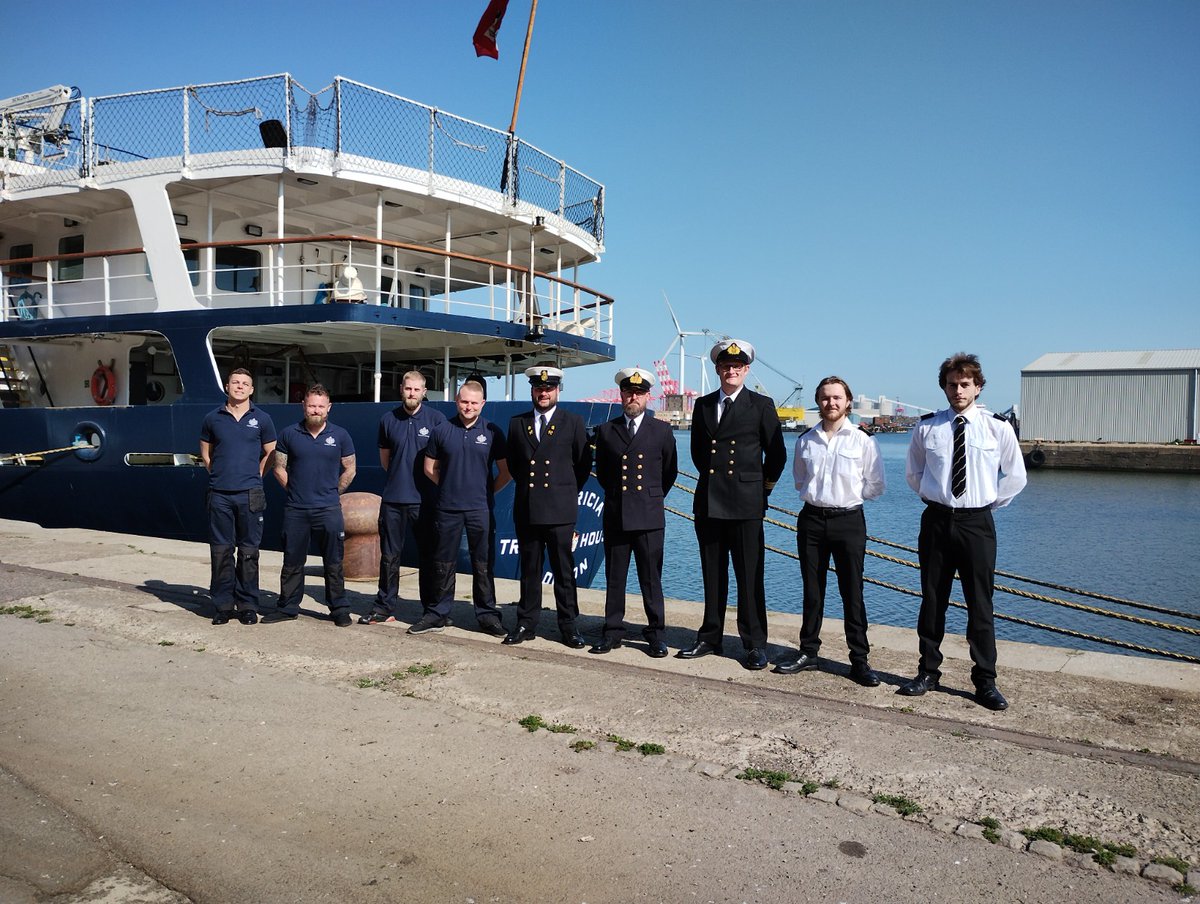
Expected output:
(149, 756)
(1152, 457)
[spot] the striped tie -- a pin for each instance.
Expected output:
(958, 465)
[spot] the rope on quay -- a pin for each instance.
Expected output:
(22, 457)
(1069, 632)
(1121, 601)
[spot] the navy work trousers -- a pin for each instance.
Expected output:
(480, 527)
(396, 519)
(300, 527)
(234, 535)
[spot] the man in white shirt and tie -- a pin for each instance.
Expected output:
(836, 466)
(963, 462)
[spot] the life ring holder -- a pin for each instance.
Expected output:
(104, 383)
(88, 440)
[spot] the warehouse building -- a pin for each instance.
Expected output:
(1112, 397)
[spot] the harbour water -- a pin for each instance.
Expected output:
(1134, 536)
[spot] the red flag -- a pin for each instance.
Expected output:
(489, 26)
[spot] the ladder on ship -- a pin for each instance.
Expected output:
(14, 387)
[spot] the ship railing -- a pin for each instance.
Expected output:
(118, 282)
(275, 121)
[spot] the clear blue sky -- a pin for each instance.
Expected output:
(857, 188)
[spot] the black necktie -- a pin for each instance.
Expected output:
(958, 464)
(541, 430)
(632, 428)
(725, 405)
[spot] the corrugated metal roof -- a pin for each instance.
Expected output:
(1162, 359)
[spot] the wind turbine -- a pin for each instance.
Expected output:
(681, 337)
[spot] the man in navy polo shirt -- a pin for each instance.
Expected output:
(459, 458)
(314, 462)
(236, 442)
(409, 498)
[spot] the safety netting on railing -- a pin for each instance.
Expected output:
(273, 117)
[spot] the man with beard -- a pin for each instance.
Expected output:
(636, 463)
(459, 459)
(315, 463)
(550, 460)
(409, 499)
(963, 463)
(236, 442)
(738, 450)
(836, 466)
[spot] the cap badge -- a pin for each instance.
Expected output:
(733, 349)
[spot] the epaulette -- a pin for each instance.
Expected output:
(802, 432)
(865, 429)
(926, 417)
(1000, 417)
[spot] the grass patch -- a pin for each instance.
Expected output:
(365, 682)
(1184, 888)
(833, 784)
(651, 749)
(903, 805)
(772, 778)
(623, 744)
(420, 669)
(199, 649)
(561, 728)
(1121, 850)
(990, 822)
(581, 745)
(1044, 833)
(808, 788)
(1105, 858)
(991, 835)
(1084, 844)
(1180, 866)
(166, 643)
(26, 611)
(532, 723)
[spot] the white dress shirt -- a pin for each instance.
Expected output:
(721, 401)
(547, 414)
(995, 468)
(839, 471)
(637, 421)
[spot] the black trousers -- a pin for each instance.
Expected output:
(821, 533)
(395, 521)
(537, 542)
(235, 528)
(722, 540)
(646, 547)
(963, 540)
(299, 527)
(480, 528)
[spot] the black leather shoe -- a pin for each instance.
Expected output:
(277, 616)
(248, 617)
(607, 645)
(990, 698)
(702, 648)
(342, 618)
(862, 673)
(493, 626)
(923, 683)
(755, 660)
(657, 650)
(574, 640)
(521, 635)
(802, 663)
(221, 618)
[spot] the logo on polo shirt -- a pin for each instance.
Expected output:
(424, 431)
(481, 440)
(330, 441)
(253, 422)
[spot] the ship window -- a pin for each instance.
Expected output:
(385, 290)
(416, 298)
(191, 258)
(238, 269)
(70, 269)
(19, 270)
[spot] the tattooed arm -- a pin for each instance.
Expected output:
(349, 469)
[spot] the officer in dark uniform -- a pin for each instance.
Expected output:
(236, 442)
(636, 463)
(459, 459)
(738, 450)
(315, 463)
(409, 499)
(550, 459)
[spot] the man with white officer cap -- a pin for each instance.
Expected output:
(636, 463)
(739, 454)
(550, 460)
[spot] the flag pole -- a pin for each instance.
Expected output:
(512, 126)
